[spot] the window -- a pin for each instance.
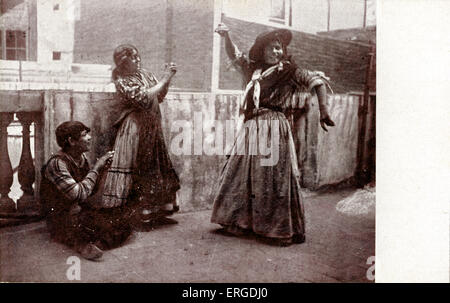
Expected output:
(280, 12)
(56, 56)
(13, 45)
(277, 10)
(268, 12)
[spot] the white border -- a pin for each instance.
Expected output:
(413, 150)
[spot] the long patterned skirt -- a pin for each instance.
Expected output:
(254, 196)
(141, 172)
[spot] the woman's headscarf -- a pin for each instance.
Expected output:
(122, 52)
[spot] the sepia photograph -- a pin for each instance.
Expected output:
(181, 141)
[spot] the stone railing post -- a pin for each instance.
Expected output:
(6, 172)
(26, 172)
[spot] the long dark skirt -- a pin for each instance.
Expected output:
(155, 181)
(141, 173)
(263, 199)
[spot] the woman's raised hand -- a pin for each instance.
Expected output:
(170, 70)
(222, 29)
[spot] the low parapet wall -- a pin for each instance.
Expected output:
(324, 158)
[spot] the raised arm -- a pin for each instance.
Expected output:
(170, 71)
(159, 90)
(134, 92)
(132, 89)
(162, 94)
(233, 52)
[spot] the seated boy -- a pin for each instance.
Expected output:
(67, 183)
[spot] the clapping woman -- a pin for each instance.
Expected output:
(141, 174)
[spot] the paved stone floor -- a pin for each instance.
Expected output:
(336, 250)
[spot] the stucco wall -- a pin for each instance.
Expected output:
(198, 172)
(336, 150)
(324, 157)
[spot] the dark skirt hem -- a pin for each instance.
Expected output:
(296, 238)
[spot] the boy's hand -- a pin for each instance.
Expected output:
(106, 159)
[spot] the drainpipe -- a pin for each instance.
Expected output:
(169, 35)
(361, 174)
(20, 70)
(365, 13)
(328, 17)
(290, 12)
(216, 39)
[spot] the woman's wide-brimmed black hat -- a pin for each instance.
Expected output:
(257, 51)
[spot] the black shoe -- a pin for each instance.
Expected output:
(298, 239)
(231, 230)
(145, 226)
(165, 221)
(100, 245)
(90, 252)
(235, 231)
(282, 242)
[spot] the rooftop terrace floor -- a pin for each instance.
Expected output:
(336, 250)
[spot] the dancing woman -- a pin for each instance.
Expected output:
(266, 199)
